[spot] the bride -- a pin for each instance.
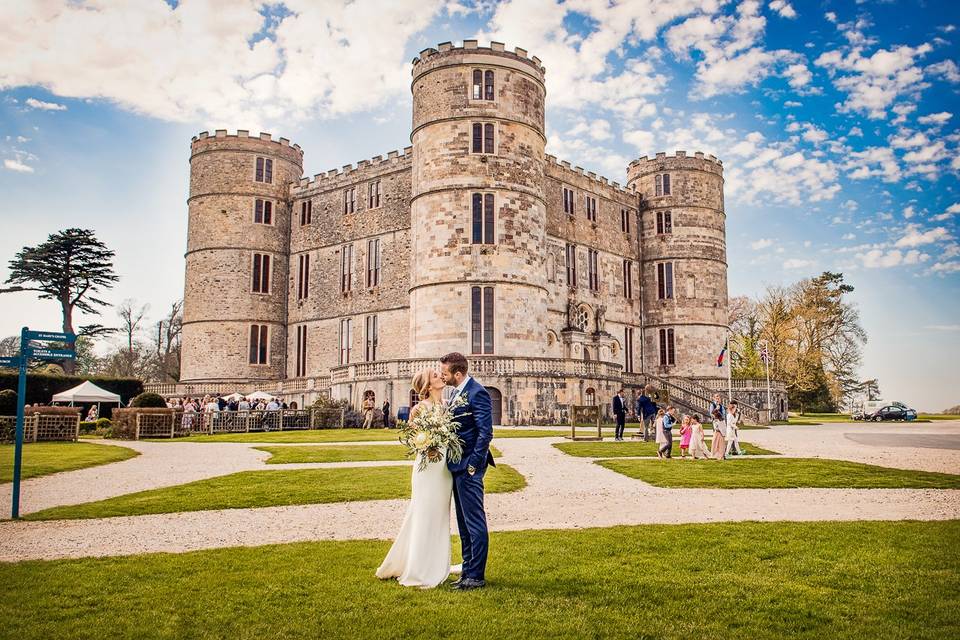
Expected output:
(420, 556)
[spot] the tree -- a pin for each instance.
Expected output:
(166, 343)
(71, 267)
(132, 358)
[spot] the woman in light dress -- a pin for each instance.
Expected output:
(420, 556)
(718, 450)
(698, 446)
(661, 435)
(733, 429)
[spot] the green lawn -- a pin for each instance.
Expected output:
(268, 489)
(772, 473)
(933, 417)
(312, 435)
(763, 581)
(334, 453)
(631, 448)
(44, 458)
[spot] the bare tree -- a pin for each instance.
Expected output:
(167, 344)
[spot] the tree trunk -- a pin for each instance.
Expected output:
(69, 366)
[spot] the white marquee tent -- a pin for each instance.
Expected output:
(86, 392)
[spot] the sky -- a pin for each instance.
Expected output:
(837, 123)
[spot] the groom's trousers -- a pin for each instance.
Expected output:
(471, 522)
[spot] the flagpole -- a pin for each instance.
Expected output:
(729, 370)
(766, 365)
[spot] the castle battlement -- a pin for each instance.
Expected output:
(580, 172)
(472, 46)
(699, 155)
(243, 134)
(334, 176)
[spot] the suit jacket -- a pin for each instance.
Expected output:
(619, 405)
(476, 429)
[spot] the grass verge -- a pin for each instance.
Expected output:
(333, 453)
(843, 581)
(250, 489)
(632, 448)
(772, 473)
(44, 458)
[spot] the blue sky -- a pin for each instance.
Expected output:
(837, 123)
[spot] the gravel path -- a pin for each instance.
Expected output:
(563, 492)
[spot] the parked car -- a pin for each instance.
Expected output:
(893, 412)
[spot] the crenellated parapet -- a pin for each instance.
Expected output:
(221, 139)
(680, 161)
(447, 53)
(349, 173)
(563, 170)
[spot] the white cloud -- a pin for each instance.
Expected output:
(323, 60)
(15, 164)
(915, 237)
(792, 103)
(797, 263)
(943, 327)
(597, 129)
(783, 8)
(880, 259)
(904, 140)
(947, 69)
(856, 131)
(849, 236)
(873, 162)
(936, 119)
(951, 211)
(909, 212)
(643, 141)
(762, 243)
(830, 16)
(946, 267)
(45, 106)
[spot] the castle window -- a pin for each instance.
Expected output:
(346, 268)
(482, 138)
(477, 84)
(258, 344)
(301, 351)
(665, 281)
(262, 211)
(264, 172)
(303, 277)
(261, 273)
(483, 222)
(306, 212)
(627, 279)
(488, 85)
(374, 201)
(664, 222)
(593, 270)
(370, 351)
(591, 206)
(661, 183)
(346, 340)
(628, 349)
(571, 265)
(625, 220)
(349, 200)
(667, 351)
(373, 262)
(568, 201)
(481, 320)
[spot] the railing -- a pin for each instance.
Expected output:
(199, 389)
(740, 384)
(173, 423)
(688, 392)
(481, 366)
(38, 427)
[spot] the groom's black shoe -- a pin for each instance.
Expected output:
(467, 584)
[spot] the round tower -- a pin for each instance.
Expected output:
(234, 299)
(683, 246)
(478, 214)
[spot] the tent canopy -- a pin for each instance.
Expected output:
(86, 392)
(259, 395)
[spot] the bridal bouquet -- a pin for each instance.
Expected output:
(432, 431)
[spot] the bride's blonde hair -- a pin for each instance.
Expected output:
(421, 384)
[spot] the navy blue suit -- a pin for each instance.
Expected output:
(476, 432)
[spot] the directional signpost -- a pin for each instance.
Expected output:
(26, 354)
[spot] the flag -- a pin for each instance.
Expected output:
(720, 357)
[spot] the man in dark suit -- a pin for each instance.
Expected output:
(475, 432)
(620, 411)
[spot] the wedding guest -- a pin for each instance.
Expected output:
(620, 412)
(698, 447)
(386, 414)
(243, 405)
(716, 404)
(188, 412)
(733, 430)
(212, 406)
(719, 444)
(669, 419)
(646, 410)
(660, 438)
(686, 431)
(368, 406)
(273, 405)
(92, 414)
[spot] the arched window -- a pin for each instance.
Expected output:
(477, 84)
(488, 85)
(483, 222)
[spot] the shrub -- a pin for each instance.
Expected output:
(41, 387)
(8, 402)
(147, 399)
(87, 426)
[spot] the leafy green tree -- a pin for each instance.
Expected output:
(71, 267)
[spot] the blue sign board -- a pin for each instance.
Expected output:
(51, 336)
(51, 354)
(9, 361)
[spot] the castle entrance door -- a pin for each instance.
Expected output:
(496, 404)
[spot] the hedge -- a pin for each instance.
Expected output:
(41, 387)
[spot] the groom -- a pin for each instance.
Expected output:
(476, 431)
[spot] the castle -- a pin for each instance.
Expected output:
(559, 285)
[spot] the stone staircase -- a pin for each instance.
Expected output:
(691, 396)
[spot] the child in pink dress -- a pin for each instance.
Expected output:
(686, 430)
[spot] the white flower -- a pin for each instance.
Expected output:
(421, 439)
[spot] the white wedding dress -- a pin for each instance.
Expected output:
(420, 556)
